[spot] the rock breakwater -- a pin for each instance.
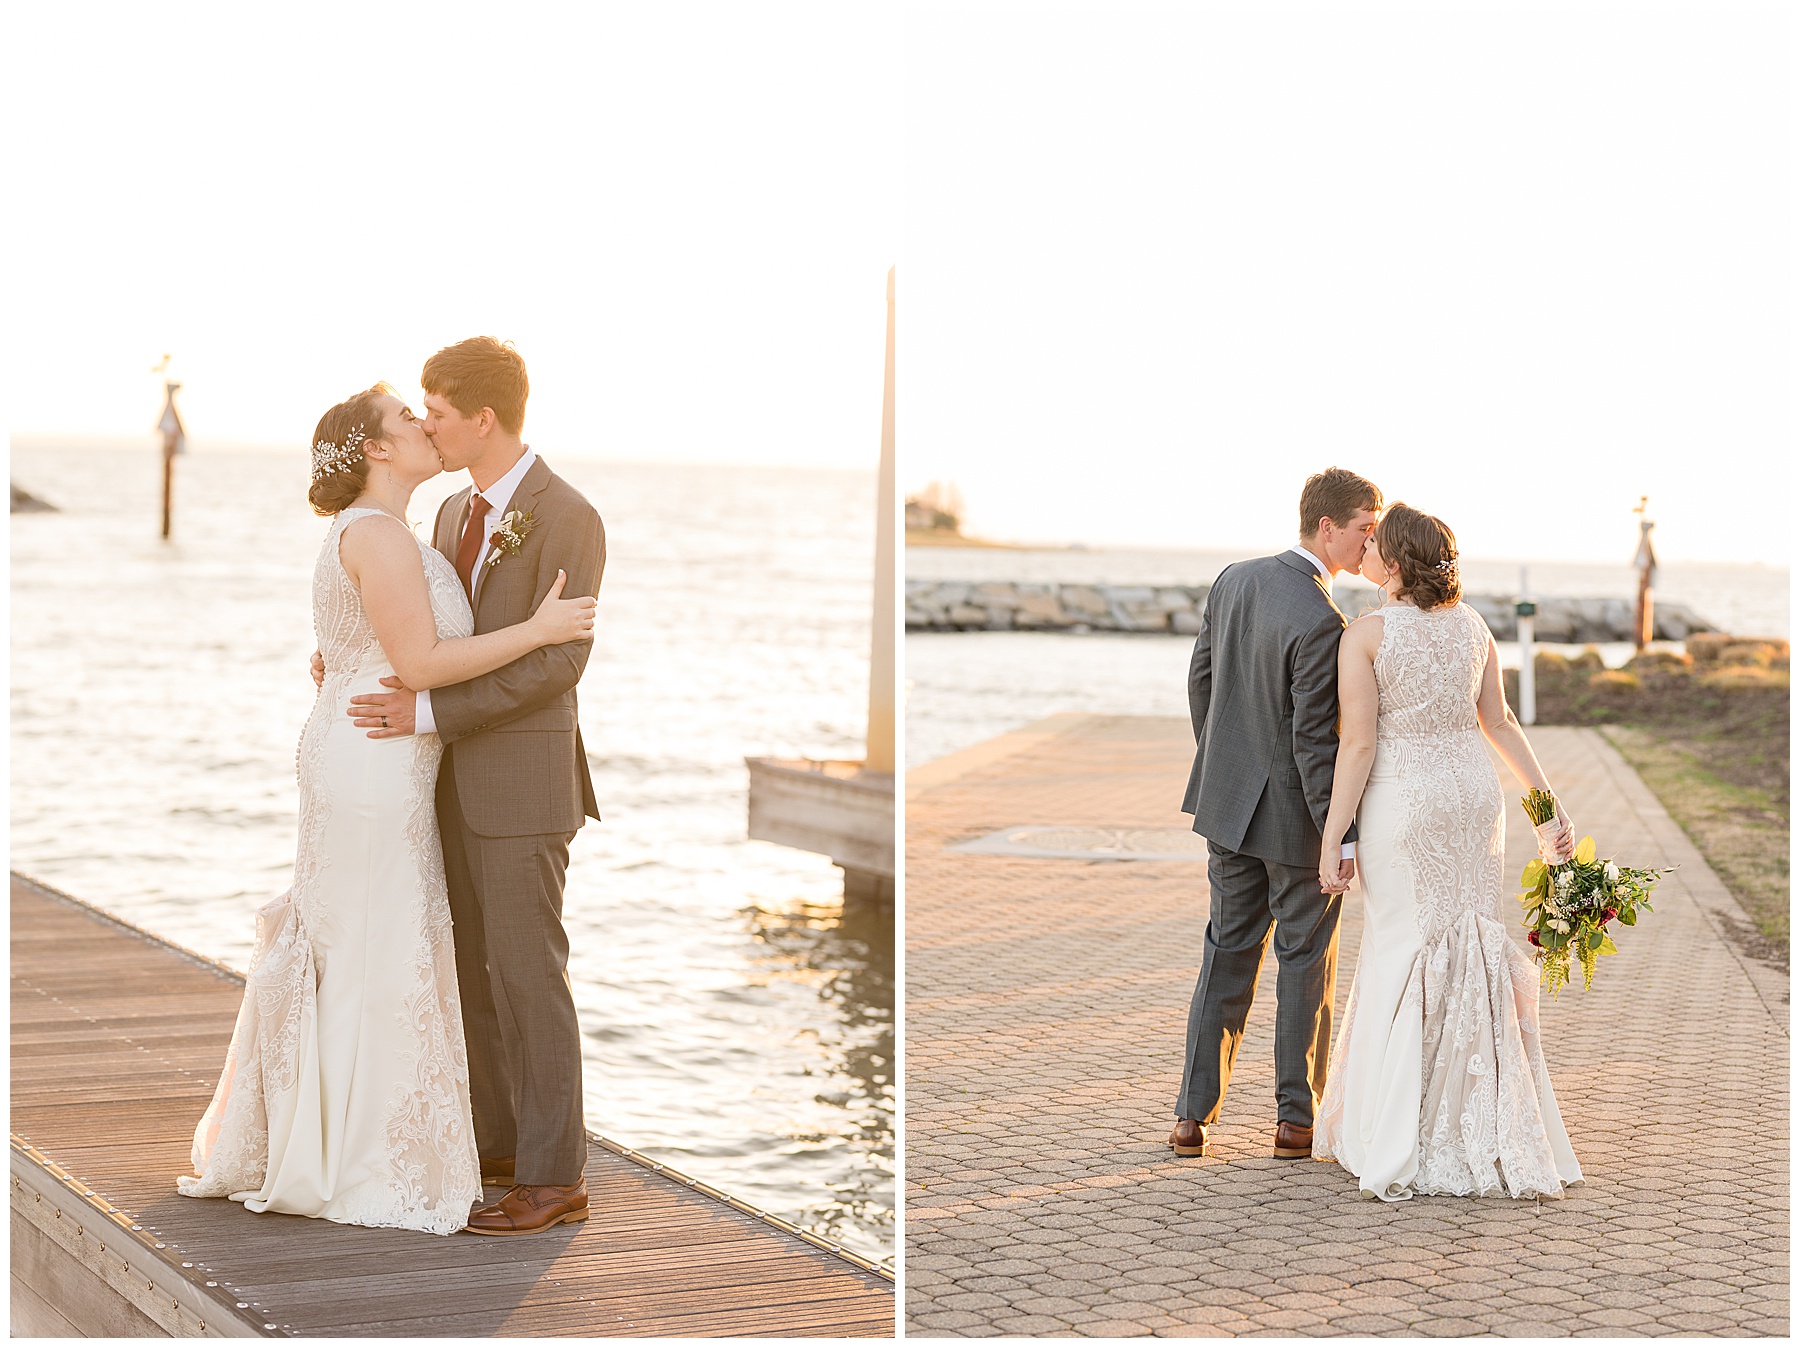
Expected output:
(1006, 606)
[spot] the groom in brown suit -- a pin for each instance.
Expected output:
(513, 786)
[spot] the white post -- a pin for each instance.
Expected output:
(879, 751)
(1527, 611)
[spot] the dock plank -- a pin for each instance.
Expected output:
(117, 1039)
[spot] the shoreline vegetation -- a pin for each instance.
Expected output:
(1708, 734)
(949, 538)
(934, 520)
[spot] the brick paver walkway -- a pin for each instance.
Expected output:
(1046, 1002)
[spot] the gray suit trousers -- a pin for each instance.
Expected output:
(512, 957)
(1249, 895)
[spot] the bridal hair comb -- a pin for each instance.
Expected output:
(328, 458)
(1446, 567)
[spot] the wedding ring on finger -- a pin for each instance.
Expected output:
(384, 724)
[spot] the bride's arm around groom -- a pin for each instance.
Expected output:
(568, 538)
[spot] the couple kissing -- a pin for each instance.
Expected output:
(1328, 749)
(408, 1034)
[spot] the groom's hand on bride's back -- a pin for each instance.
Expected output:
(385, 715)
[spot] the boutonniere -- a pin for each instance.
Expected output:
(510, 536)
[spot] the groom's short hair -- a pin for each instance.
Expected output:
(1335, 494)
(477, 373)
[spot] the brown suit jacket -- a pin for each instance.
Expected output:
(512, 741)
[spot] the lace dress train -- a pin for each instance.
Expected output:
(1437, 1082)
(345, 1092)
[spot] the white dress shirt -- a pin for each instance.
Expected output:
(498, 497)
(1348, 850)
(1318, 566)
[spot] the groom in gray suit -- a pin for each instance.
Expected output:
(1262, 690)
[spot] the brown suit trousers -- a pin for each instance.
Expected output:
(513, 789)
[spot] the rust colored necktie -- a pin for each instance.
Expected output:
(474, 534)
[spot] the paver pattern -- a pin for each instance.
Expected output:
(1046, 1002)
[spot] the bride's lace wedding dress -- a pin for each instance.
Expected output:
(345, 1093)
(1437, 1082)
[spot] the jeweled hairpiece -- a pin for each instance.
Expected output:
(328, 458)
(1447, 566)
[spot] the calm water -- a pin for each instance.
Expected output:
(966, 687)
(737, 1020)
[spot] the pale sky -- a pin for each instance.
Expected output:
(1519, 265)
(682, 215)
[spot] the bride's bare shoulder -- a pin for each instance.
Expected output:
(1364, 633)
(374, 528)
(376, 538)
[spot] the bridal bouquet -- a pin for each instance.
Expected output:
(1568, 905)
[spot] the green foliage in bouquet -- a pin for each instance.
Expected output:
(1568, 906)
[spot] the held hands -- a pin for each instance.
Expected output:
(559, 620)
(1335, 871)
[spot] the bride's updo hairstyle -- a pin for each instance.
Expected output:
(339, 471)
(1422, 548)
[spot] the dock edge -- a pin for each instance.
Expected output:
(58, 1222)
(32, 1157)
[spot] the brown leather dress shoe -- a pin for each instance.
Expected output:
(529, 1208)
(1292, 1141)
(1189, 1138)
(497, 1170)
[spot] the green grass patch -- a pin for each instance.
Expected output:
(1710, 740)
(1742, 831)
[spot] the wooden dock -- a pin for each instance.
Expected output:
(117, 1039)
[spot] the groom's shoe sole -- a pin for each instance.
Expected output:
(1292, 1142)
(527, 1209)
(563, 1220)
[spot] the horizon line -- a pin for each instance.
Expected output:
(1255, 550)
(56, 440)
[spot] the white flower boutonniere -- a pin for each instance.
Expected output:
(510, 536)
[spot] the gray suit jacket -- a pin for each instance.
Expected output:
(512, 742)
(1262, 690)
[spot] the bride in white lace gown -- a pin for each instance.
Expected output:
(345, 1092)
(1437, 1082)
